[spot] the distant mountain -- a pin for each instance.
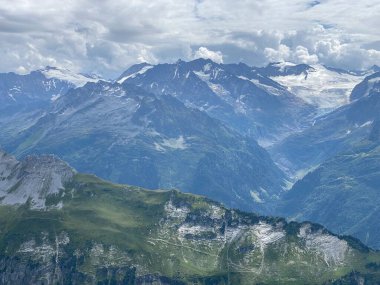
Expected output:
(38, 87)
(369, 84)
(375, 68)
(342, 191)
(275, 69)
(91, 231)
(24, 99)
(333, 133)
(29, 91)
(342, 194)
(66, 75)
(323, 87)
(236, 94)
(125, 134)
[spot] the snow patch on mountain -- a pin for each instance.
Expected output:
(202, 75)
(368, 123)
(270, 89)
(321, 87)
(218, 89)
(256, 197)
(133, 75)
(55, 97)
(171, 143)
(77, 79)
(115, 91)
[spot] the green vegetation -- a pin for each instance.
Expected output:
(108, 233)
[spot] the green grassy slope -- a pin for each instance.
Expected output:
(116, 234)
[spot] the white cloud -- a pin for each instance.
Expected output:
(346, 55)
(280, 54)
(107, 36)
(298, 55)
(204, 52)
(301, 54)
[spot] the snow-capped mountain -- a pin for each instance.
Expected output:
(40, 86)
(154, 123)
(337, 165)
(63, 74)
(275, 69)
(133, 71)
(332, 133)
(30, 89)
(24, 99)
(236, 94)
(323, 87)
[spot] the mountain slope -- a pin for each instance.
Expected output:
(19, 180)
(342, 193)
(236, 94)
(331, 134)
(38, 87)
(66, 75)
(125, 134)
(104, 233)
(26, 98)
(369, 84)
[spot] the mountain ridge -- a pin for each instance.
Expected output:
(105, 232)
(236, 94)
(343, 149)
(155, 142)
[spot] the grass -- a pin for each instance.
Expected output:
(130, 226)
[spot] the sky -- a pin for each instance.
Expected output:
(106, 37)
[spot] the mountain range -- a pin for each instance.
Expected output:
(298, 141)
(123, 133)
(342, 192)
(236, 94)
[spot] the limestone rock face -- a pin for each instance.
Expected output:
(32, 180)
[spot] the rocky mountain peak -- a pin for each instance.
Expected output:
(370, 84)
(32, 180)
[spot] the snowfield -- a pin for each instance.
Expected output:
(321, 87)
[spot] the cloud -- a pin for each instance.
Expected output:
(215, 56)
(107, 36)
(346, 55)
(301, 54)
(284, 53)
(329, 46)
(372, 45)
(280, 54)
